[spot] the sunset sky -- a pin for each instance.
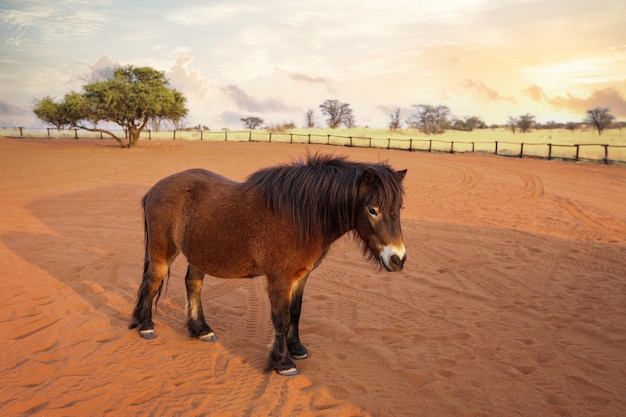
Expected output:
(276, 59)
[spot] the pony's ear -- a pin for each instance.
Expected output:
(401, 174)
(368, 177)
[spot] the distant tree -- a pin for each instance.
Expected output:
(571, 126)
(130, 98)
(525, 122)
(395, 122)
(348, 120)
(430, 119)
(252, 122)
(468, 124)
(51, 112)
(512, 123)
(600, 118)
(338, 113)
(309, 119)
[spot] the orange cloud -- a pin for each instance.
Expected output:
(608, 97)
(484, 92)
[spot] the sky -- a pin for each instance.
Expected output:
(276, 59)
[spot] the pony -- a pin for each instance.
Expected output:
(280, 222)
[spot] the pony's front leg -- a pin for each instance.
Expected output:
(295, 347)
(279, 358)
(196, 323)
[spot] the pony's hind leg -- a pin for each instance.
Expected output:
(196, 323)
(151, 285)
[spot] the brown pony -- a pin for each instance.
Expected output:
(279, 223)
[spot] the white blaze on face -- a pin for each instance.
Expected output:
(390, 250)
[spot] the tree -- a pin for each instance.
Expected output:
(468, 124)
(337, 113)
(130, 98)
(394, 120)
(309, 119)
(51, 112)
(252, 122)
(600, 118)
(512, 123)
(525, 122)
(430, 119)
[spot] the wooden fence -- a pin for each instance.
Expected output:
(577, 152)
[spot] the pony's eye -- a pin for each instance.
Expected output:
(372, 211)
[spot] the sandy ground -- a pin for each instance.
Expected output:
(512, 303)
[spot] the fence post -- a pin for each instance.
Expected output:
(270, 137)
(521, 150)
(75, 133)
(472, 147)
(577, 149)
(430, 145)
(174, 134)
(309, 139)
(328, 140)
(606, 154)
(201, 132)
(101, 137)
(48, 132)
(291, 138)
(496, 152)
(20, 132)
(388, 143)
(549, 151)
(370, 142)
(410, 145)
(452, 147)
(250, 136)
(350, 141)
(226, 136)
(149, 134)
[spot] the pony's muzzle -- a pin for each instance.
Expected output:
(393, 258)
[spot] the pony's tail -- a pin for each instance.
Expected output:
(146, 259)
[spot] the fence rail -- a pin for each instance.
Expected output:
(575, 152)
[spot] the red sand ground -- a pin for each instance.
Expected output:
(513, 301)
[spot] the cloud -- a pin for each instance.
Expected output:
(608, 97)
(484, 92)
(536, 93)
(230, 118)
(102, 70)
(189, 81)
(9, 109)
(307, 78)
(249, 103)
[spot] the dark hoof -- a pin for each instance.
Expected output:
(209, 337)
(298, 351)
(287, 372)
(299, 356)
(147, 334)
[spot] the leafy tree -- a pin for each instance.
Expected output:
(394, 120)
(337, 113)
(130, 98)
(600, 118)
(512, 123)
(252, 122)
(51, 112)
(430, 119)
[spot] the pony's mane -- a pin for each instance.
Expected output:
(319, 195)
